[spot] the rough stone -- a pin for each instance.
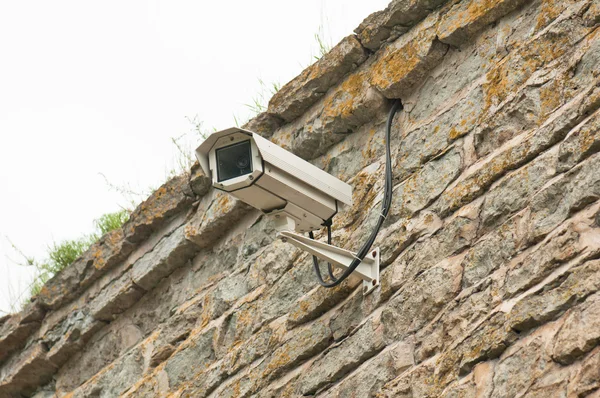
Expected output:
(406, 61)
(420, 146)
(395, 20)
(571, 192)
(116, 379)
(114, 300)
(494, 250)
(420, 300)
(24, 372)
(487, 342)
(317, 302)
(169, 254)
(216, 213)
(479, 177)
(167, 201)
(468, 17)
(417, 382)
(348, 355)
(103, 255)
(534, 267)
(307, 342)
(588, 379)
(422, 188)
(580, 333)
(193, 356)
(293, 99)
(540, 308)
(264, 123)
(367, 380)
(514, 191)
(580, 143)
(199, 182)
(509, 377)
(16, 329)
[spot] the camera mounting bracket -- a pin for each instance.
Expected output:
(367, 270)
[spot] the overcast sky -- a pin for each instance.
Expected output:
(99, 88)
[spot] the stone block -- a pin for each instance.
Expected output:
(264, 123)
(193, 356)
(25, 371)
(421, 189)
(116, 298)
(514, 191)
(318, 301)
(528, 270)
(468, 17)
(588, 378)
(216, 214)
(546, 306)
(172, 198)
(393, 21)
(509, 375)
(416, 382)
(303, 344)
(419, 300)
(565, 195)
(488, 341)
(172, 252)
(294, 98)
(200, 183)
(478, 178)
(16, 329)
(425, 143)
(68, 337)
(581, 143)
(580, 332)
(342, 110)
(365, 343)
(495, 249)
(402, 64)
(103, 255)
(115, 379)
(452, 238)
(367, 380)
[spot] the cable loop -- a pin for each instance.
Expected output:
(385, 208)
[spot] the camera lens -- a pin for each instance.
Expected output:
(234, 160)
(243, 162)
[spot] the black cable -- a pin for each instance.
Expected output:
(385, 208)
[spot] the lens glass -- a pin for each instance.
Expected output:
(234, 161)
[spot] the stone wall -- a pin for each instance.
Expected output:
(491, 252)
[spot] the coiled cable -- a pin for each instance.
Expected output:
(385, 208)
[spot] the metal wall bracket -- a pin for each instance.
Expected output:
(368, 269)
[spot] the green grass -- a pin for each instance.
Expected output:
(62, 254)
(260, 101)
(324, 44)
(111, 221)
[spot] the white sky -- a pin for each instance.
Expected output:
(101, 87)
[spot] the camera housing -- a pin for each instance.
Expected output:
(301, 196)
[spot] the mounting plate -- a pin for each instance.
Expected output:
(367, 270)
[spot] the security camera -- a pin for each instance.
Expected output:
(301, 196)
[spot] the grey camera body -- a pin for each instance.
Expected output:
(253, 169)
